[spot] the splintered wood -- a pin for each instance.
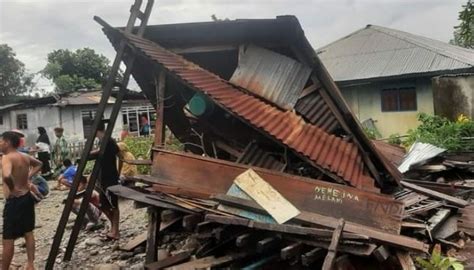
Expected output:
(266, 196)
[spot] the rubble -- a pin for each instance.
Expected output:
(266, 181)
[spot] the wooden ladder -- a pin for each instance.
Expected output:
(135, 14)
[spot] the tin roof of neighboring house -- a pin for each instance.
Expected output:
(380, 52)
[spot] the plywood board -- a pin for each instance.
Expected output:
(266, 196)
(235, 191)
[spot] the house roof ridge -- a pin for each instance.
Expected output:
(417, 40)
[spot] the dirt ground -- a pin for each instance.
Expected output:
(90, 249)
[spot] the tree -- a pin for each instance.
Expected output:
(464, 32)
(73, 70)
(13, 78)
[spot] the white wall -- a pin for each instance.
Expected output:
(50, 117)
(45, 116)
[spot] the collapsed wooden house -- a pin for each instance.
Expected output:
(252, 94)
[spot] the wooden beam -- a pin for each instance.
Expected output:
(313, 256)
(213, 176)
(132, 194)
(170, 261)
(154, 216)
(434, 194)
(329, 260)
(247, 239)
(160, 97)
(291, 251)
(381, 253)
(330, 222)
(283, 228)
(211, 262)
(267, 244)
(405, 260)
(190, 221)
(135, 242)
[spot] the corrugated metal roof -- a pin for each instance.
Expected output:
(418, 153)
(8, 106)
(275, 77)
(316, 111)
(333, 154)
(394, 153)
(377, 51)
(83, 98)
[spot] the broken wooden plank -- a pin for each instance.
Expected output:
(381, 253)
(284, 228)
(438, 219)
(210, 261)
(268, 243)
(172, 260)
(132, 194)
(447, 229)
(167, 215)
(137, 161)
(435, 194)
(190, 221)
(405, 260)
(313, 256)
(332, 250)
(166, 224)
(266, 196)
(291, 251)
(351, 247)
(213, 176)
(331, 222)
(154, 216)
(135, 242)
(248, 239)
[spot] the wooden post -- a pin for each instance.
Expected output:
(154, 216)
(329, 260)
(160, 96)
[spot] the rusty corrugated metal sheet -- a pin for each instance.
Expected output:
(393, 153)
(314, 109)
(466, 222)
(329, 152)
(275, 77)
(255, 156)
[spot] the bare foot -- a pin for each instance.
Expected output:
(30, 266)
(112, 236)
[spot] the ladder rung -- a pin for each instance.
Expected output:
(141, 15)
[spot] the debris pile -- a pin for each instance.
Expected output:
(276, 170)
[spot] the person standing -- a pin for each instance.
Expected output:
(145, 126)
(125, 169)
(108, 176)
(19, 210)
(43, 147)
(60, 150)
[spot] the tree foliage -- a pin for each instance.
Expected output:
(13, 78)
(74, 70)
(442, 132)
(464, 32)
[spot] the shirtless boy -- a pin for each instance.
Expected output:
(19, 211)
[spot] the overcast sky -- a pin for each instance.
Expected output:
(33, 28)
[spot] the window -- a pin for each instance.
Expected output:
(87, 121)
(399, 99)
(131, 117)
(1, 120)
(21, 121)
